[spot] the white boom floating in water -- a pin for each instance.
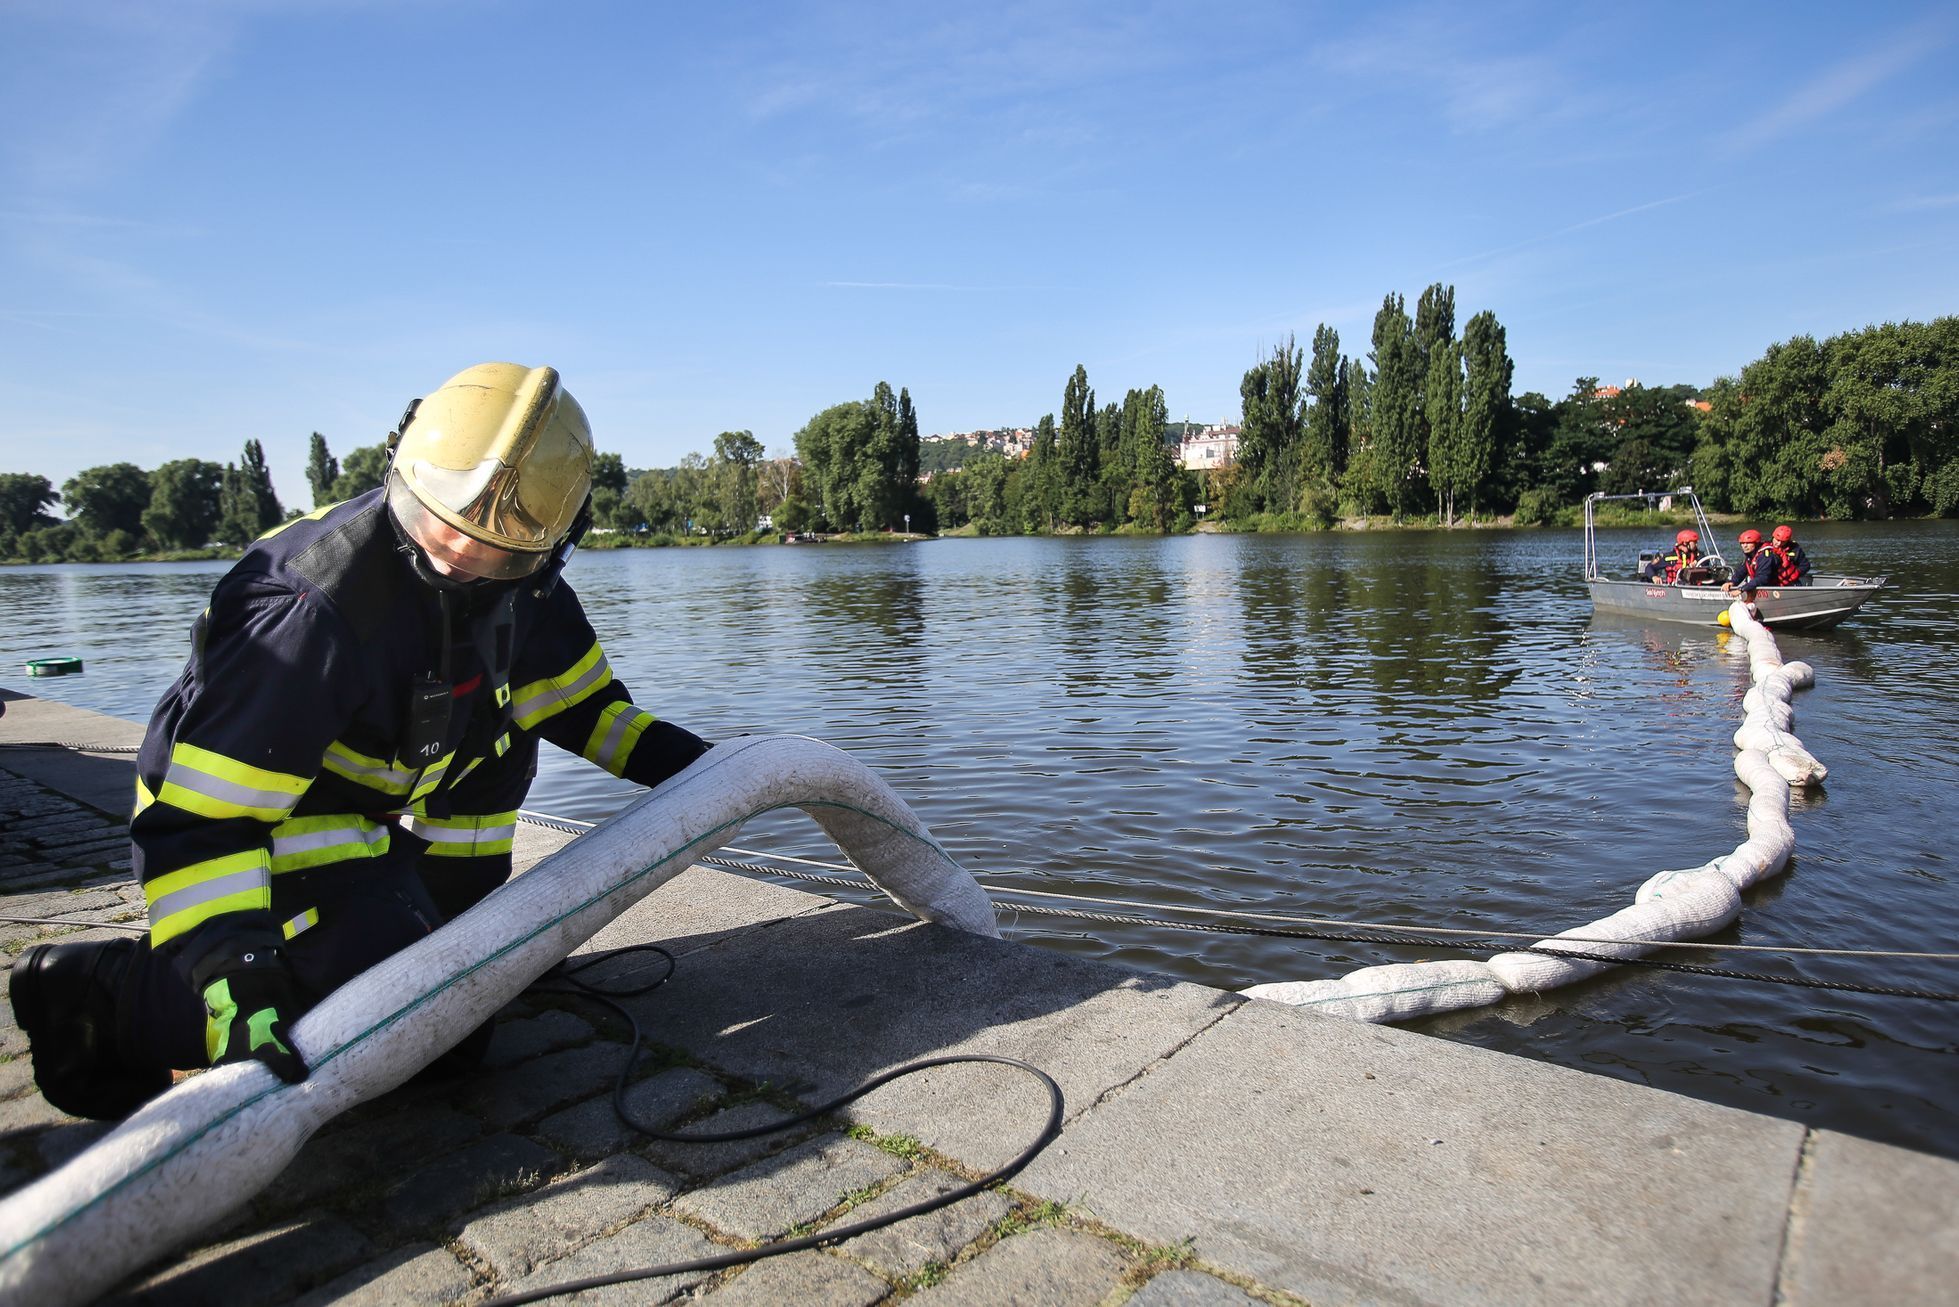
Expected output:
(1674, 905)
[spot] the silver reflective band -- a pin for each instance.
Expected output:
(238, 882)
(286, 846)
(564, 693)
(392, 777)
(442, 833)
(186, 777)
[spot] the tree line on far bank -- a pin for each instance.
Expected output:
(1863, 424)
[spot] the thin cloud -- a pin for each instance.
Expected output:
(894, 285)
(1838, 86)
(1599, 221)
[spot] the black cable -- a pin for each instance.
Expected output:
(606, 997)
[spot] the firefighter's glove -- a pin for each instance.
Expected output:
(246, 1003)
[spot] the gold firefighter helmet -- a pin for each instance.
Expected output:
(491, 469)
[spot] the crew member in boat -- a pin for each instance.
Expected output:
(338, 768)
(1681, 567)
(1757, 567)
(1792, 563)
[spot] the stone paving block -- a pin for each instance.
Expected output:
(712, 1159)
(435, 1192)
(30, 1112)
(650, 1241)
(911, 1245)
(266, 1266)
(827, 1000)
(518, 1093)
(810, 1279)
(16, 1077)
(549, 1223)
(1340, 1161)
(520, 1039)
(1042, 1268)
(419, 1273)
(700, 908)
(1872, 1223)
(593, 1129)
(765, 1198)
(346, 1159)
(1190, 1289)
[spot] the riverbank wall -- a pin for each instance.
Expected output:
(1215, 1149)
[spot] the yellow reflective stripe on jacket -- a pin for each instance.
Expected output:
(143, 798)
(618, 730)
(212, 785)
(190, 896)
(314, 841)
(541, 700)
(356, 766)
(466, 837)
(432, 777)
(313, 516)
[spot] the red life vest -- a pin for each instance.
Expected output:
(1786, 572)
(1676, 565)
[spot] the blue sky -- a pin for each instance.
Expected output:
(226, 219)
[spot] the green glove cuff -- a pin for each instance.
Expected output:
(221, 1015)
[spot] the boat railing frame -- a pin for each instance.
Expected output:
(1712, 560)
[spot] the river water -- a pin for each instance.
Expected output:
(1424, 728)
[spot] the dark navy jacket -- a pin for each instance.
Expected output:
(281, 746)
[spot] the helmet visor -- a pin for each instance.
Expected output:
(453, 551)
(484, 497)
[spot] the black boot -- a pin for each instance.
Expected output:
(65, 998)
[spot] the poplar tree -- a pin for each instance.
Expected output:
(1486, 400)
(1040, 503)
(1323, 447)
(1448, 470)
(247, 505)
(1394, 406)
(322, 470)
(1077, 449)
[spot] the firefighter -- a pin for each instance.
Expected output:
(1756, 568)
(1792, 564)
(1683, 566)
(338, 768)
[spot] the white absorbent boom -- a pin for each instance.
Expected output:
(199, 1152)
(1671, 906)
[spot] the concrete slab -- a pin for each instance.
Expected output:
(431, 1195)
(1353, 1163)
(543, 1226)
(811, 1279)
(702, 1160)
(102, 780)
(698, 909)
(766, 1198)
(1042, 1268)
(419, 1273)
(1190, 1289)
(593, 1128)
(1871, 1223)
(264, 1267)
(653, 1241)
(920, 1241)
(822, 1002)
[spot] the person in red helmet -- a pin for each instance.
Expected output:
(1792, 564)
(1683, 566)
(1756, 568)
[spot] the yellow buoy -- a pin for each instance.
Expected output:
(1723, 618)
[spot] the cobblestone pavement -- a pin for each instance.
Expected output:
(1215, 1150)
(522, 1175)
